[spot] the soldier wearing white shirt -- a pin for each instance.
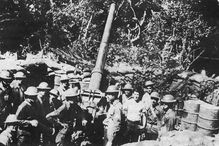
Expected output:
(136, 119)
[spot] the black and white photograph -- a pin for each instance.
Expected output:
(109, 72)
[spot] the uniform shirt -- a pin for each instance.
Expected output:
(18, 94)
(114, 115)
(43, 105)
(27, 111)
(134, 110)
(125, 98)
(146, 99)
(61, 91)
(5, 105)
(155, 115)
(68, 113)
(169, 120)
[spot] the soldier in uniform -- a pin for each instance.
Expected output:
(70, 117)
(54, 102)
(169, 118)
(114, 116)
(6, 98)
(18, 89)
(43, 97)
(63, 86)
(154, 117)
(149, 87)
(32, 126)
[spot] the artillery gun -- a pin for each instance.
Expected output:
(93, 93)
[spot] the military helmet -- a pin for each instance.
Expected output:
(54, 92)
(168, 99)
(112, 89)
(71, 93)
(128, 86)
(43, 86)
(31, 91)
(19, 75)
(149, 83)
(155, 95)
(5, 75)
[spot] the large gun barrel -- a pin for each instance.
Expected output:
(101, 58)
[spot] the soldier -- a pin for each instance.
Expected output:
(18, 90)
(86, 75)
(43, 97)
(74, 83)
(53, 100)
(5, 95)
(154, 117)
(114, 116)
(149, 87)
(136, 117)
(71, 117)
(63, 86)
(127, 92)
(32, 126)
(169, 119)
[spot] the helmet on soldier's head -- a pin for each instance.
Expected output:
(128, 86)
(5, 75)
(168, 99)
(54, 92)
(155, 95)
(71, 93)
(43, 86)
(19, 75)
(149, 83)
(31, 91)
(112, 89)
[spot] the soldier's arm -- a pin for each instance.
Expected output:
(20, 110)
(118, 114)
(56, 112)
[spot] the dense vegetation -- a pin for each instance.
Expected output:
(161, 36)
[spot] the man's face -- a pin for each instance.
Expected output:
(42, 94)
(32, 98)
(110, 97)
(154, 101)
(52, 97)
(136, 96)
(72, 100)
(149, 89)
(19, 81)
(167, 106)
(65, 84)
(128, 92)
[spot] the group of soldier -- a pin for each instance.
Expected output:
(58, 116)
